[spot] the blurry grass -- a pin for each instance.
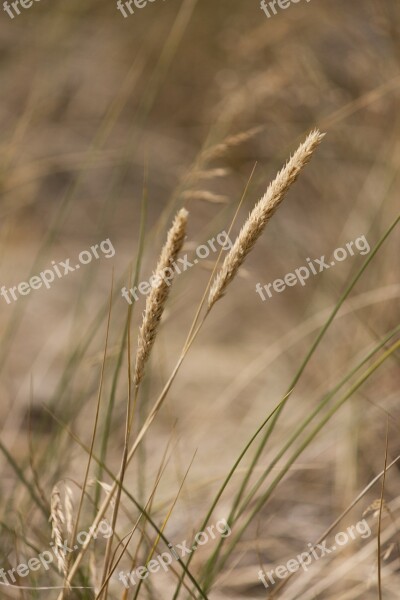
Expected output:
(68, 403)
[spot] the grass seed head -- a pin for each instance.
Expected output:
(261, 214)
(157, 298)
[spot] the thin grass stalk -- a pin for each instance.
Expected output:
(137, 504)
(336, 522)
(164, 524)
(21, 476)
(105, 578)
(32, 451)
(380, 513)
(224, 485)
(147, 506)
(96, 419)
(121, 354)
(310, 418)
(126, 339)
(150, 507)
(211, 561)
(306, 360)
(261, 502)
(125, 543)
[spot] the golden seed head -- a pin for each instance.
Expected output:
(157, 298)
(261, 214)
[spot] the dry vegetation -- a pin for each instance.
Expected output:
(160, 418)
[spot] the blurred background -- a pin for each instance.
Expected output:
(108, 122)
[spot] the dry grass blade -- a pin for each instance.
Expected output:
(261, 214)
(381, 503)
(159, 293)
(93, 572)
(73, 529)
(206, 196)
(234, 140)
(108, 489)
(209, 174)
(124, 542)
